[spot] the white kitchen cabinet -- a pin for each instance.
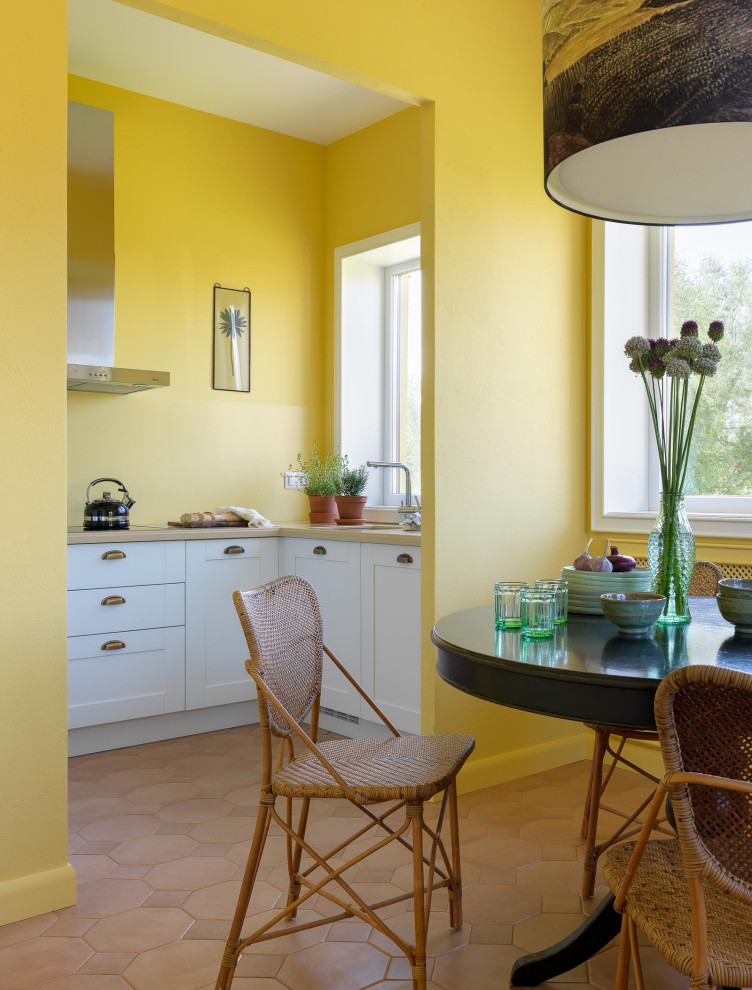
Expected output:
(333, 568)
(126, 675)
(390, 632)
(216, 649)
(126, 636)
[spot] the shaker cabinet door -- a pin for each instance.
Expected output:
(390, 609)
(216, 649)
(333, 568)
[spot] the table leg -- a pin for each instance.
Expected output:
(592, 935)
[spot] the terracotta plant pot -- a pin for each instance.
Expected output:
(323, 510)
(350, 508)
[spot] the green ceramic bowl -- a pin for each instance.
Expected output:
(735, 588)
(737, 611)
(633, 613)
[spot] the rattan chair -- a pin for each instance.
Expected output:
(282, 625)
(692, 895)
(704, 583)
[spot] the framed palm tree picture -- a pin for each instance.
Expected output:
(232, 339)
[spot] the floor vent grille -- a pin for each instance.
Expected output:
(342, 716)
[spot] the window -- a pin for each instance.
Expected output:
(402, 396)
(648, 281)
(378, 358)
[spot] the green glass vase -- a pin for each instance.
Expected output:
(671, 559)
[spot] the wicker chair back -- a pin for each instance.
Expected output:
(282, 625)
(704, 719)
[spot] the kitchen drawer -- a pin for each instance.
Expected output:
(339, 551)
(386, 554)
(103, 565)
(234, 549)
(145, 677)
(138, 607)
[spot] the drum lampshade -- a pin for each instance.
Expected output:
(647, 109)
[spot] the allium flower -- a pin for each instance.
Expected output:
(635, 346)
(715, 330)
(635, 365)
(689, 329)
(677, 367)
(662, 346)
(688, 347)
(712, 351)
(656, 367)
(704, 366)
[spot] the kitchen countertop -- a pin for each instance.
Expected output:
(370, 533)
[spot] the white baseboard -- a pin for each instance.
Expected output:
(37, 893)
(134, 732)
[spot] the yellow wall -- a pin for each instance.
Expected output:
(504, 425)
(200, 199)
(504, 429)
(372, 185)
(34, 871)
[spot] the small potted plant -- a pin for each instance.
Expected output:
(321, 482)
(351, 501)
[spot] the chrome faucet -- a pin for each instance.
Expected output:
(407, 509)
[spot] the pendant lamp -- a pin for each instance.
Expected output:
(647, 109)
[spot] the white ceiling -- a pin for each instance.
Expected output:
(123, 47)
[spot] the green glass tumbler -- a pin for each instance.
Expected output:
(507, 603)
(537, 612)
(562, 597)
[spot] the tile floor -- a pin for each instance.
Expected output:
(159, 834)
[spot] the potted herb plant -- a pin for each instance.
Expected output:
(351, 501)
(321, 482)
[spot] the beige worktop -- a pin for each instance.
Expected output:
(370, 533)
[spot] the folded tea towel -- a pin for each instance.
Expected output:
(252, 517)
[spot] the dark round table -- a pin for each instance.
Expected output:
(586, 673)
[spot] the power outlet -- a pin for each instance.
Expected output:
(294, 479)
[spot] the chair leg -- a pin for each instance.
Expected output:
(294, 865)
(625, 948)
(596, 778)
(455, 890)
(229, 959)
(415, 812)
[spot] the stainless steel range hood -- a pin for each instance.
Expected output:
(91, 260)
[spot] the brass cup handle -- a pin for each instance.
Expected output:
(113, 644)
(234, 549)
(321, 551)
(404, 558)
(113, 555)
(113, 600)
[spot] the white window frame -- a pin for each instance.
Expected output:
(392, 380)
(630, 295)
(397, 248)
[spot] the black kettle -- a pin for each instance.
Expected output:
(107, 512)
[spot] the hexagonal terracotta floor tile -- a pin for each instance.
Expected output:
(194, 810)
(121, 827)
(502, 854)
(490, 903)
(187, 964)
(505, 813)
(163, 793)
(190, 873)
(231, 828)
(135, 778)
(81, 981)
(105, 897)
(40, 960)
(154, 849)
(656, 971)
(90, 868)
(348, 965)
(551, 877)
(219, 900)
(284, 944)
(482, 967)
(138, 930)
(20, 931)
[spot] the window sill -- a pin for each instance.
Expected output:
(703, 524)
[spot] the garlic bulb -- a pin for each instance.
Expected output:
(602, 563)
(582, 563)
